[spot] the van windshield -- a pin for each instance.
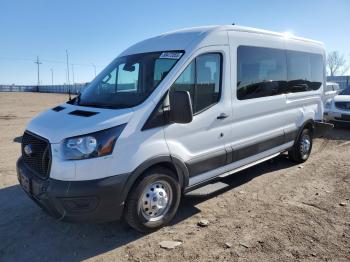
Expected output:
(128, 80)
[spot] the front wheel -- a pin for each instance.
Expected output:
(302, 147)
(153, 201)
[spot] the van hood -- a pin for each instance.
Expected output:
(342, 98)
(68, 120)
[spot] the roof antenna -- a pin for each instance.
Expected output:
(233, 23)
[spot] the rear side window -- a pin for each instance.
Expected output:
(202, 79)
(260, 72)
(305, 71)
(317, 71)
(265, 72)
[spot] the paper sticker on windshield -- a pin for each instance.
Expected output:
(171, 55)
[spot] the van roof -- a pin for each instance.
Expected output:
(184, 38)
(209, 29)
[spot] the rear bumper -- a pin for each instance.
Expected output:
(84, 201)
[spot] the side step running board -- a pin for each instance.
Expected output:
(214, 187)
(207, 189)
(248, 165)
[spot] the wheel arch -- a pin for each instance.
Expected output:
(166, 161)
(310, 124)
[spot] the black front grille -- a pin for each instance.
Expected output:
(343, 105)
(343, 118)
(37, 155)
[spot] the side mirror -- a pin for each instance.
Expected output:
(180, 107)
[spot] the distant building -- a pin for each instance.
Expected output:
(343, 81)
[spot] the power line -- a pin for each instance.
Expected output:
(15, 58)
(44, 60)
(48, 61)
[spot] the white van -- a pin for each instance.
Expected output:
(337, 110)
(170, 114)
(332, 87)
(331, 90)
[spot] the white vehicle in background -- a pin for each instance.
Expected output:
(332, 89)
(170, 114)
(338, 108)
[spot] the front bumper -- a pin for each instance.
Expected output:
(84, 201)
(337, 116)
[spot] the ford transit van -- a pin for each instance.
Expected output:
(170, 114)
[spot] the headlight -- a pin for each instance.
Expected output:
(96, 144)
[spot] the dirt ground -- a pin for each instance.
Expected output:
(276, 211)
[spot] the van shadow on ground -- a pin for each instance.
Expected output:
(27, 232)
(341, 131)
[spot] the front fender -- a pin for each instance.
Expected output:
(181, 171)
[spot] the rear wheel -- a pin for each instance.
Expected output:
(302, 147)
(153, 201)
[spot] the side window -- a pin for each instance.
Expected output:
(260, 72)
(161, 69)
(317, 69)
(186, 81)
(201, 79)
(207, 91)
(299, 71)
(305, 71)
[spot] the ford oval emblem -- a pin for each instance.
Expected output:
(28, 150)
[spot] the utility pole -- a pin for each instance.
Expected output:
(94, 68)
(73, 82)
(67, 67)
(38, 63)
(73, 73)
(51, 76)
(69, 95)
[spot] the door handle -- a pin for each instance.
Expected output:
(222, 116)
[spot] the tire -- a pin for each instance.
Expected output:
(302, 147)
(157, 191)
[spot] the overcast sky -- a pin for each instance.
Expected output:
(95, 32)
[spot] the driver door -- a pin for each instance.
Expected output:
(201, 143)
